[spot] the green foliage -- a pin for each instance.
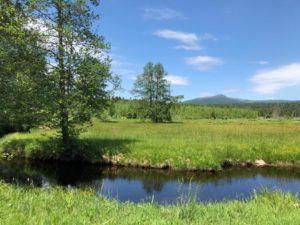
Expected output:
(80, 76)
(192, 111)
(68, 82)
(60, 206)
(23, 84)
(275, 110)
(154, 91)
(131, 109)
(180, 111)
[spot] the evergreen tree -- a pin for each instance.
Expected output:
(154, 92)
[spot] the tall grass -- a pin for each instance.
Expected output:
(60, 206)
(188, 144)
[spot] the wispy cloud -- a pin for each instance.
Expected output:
(204, 62)
(178, 80)
(273, 80)
(121, 66)
(162, 14)
(208, 36)
(261, 62)
(189, 41)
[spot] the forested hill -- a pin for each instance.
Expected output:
(224, 100)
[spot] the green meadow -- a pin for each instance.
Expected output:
(187, 144)
(60, 206)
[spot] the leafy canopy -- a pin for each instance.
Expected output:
(154, 92)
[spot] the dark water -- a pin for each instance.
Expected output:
(164, 187)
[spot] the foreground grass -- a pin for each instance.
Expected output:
(190, 144)
(58, 206)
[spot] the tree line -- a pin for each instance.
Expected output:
(273, 110)
(122, 108)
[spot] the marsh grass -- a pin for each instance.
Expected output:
(63, 206)
(190, 144)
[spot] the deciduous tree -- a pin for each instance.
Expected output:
(22, 71)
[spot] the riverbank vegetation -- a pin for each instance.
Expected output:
(46, 206)
(189, 144)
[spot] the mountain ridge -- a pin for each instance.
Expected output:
(221, 99)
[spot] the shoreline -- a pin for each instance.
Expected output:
(226, 165)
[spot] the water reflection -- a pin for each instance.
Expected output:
(128, 184)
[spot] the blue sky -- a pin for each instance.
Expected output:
(246, 49)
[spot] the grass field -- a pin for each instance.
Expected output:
(58, 206)
(187, 144)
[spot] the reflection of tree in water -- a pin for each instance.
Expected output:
(47, 174)
(152, 185)
(70, 174)
(20, 174)
(91, 176)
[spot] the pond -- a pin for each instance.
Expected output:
(161, 186)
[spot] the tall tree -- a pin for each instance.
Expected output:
(154, 91)
(79, 68)
(22, 82)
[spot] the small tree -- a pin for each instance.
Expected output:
(154, 92)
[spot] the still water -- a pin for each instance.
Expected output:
(164, 187)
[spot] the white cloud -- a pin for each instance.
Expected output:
(271, 81)
(45, 30)
(262, 62)
(121, 66)
(48, 39)
(190, 41)
(162, 14)
(204, 62)
(178, 80)
(208, 36)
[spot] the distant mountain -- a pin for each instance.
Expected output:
(224, 100)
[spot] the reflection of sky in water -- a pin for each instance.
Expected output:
(227, 189)
(162, 187)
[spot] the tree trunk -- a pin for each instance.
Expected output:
(64, 115)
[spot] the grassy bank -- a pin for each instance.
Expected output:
(188, 144)
(58, 206)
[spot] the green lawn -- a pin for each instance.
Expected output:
(188, 144)
(58, 206)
